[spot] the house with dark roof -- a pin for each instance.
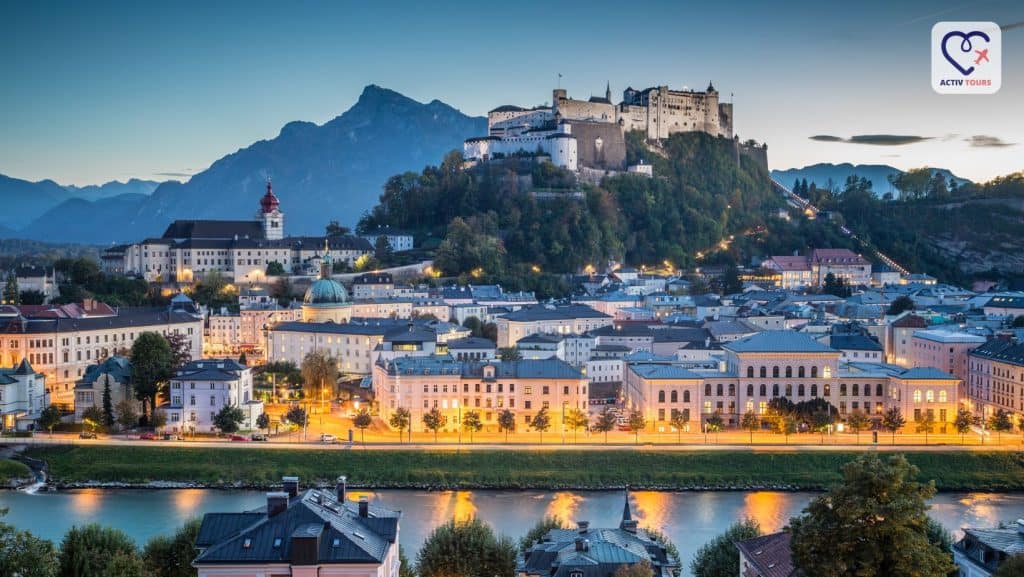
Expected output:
(113, 374)
(201, 388)
(981, 551)
(767, 556)
(303, 534)
(23, 396)
(596, 552)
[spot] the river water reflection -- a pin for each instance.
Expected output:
(688, 518)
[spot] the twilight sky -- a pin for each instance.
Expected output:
(95, 91)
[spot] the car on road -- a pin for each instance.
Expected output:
(328, 438)
(147, 437)
(87, 435)
(172, 437)
(238, 438)
(258, 437)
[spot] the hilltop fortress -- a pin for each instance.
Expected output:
(590, 133)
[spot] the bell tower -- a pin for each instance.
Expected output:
(270, 215)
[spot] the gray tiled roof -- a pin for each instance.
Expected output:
(778, 342)
(542, 313)
(854, 343)
(126, 319)
(770, 555)
(927, 373)
(662, 371)
(117, 366)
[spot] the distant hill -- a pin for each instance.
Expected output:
(113, 188)
(24, 201)
(823, 174)
(334, 171)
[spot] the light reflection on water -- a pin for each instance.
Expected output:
(688, 518)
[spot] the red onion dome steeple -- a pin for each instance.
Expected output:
(269, 202)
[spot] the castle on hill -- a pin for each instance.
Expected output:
(591, 133)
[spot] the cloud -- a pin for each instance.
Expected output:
(1013, 26)
(986, 141)
(876, 139)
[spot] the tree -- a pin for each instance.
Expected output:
(275, 268)
(718, 557)
(507, 422)
(405, 568)
(857, 421)
(12, 295)
(1000, 422)
(319, 372)
(242, 359)
(887, 506)
(466, 549)
(510, 354)
(93, 416)
(751, 423)
(786, 425)
(1011, 567)
(263, 422)
(1018, 322)
(925, 424)
(228, 418)
(400, 420)
(24, 554)
(152, 366)
(127, 418)
(382, 250)
(490, 332)
(679, 420)
(902, 303)
(541, 422)
(158, 420)
(108, 405)
(472, 423)
(962, 423)
(334, 229)
(538, 531)
(49, 418)
(636, 423)
(93, 550)
(605, 422)
(641, 569)
(576, 419)
(32, 297)
(181, 350)
(892, 420)
(713, 424)
(475, 326)
(433, 420)
(296, 415)
(362, 421)
(731, 283)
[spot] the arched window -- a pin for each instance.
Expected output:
(929, 396)
(775, 372)
(789, 372)
(764, 372)
(856, 390)
(661, 396)
(917, 395)
(750, 372)
(800, 390)
(707, 389)
(686, 396)
(789, 390)
(718, 390)
(814, 390)
(775, 390)
(826, 372)
(800, 372)
(732, 389)
(750, 390)
(764, 391)
(828, 390)
(878, 390)
(842, 389)
(942, 396)
(674, 396)
(814, 372)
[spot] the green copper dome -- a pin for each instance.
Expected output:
(325, 291)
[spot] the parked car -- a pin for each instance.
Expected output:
(172, 437)
(147, 437)
(328, 438)
(238, 438)
(87, 435)
(258, 437)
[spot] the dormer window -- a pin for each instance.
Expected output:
(247, 544)
(277, 543)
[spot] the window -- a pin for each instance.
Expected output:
(856, 390)
(674, 396)
(545, 390)
(764, 390)
(917, 395)
(775, 372)
(764, 372)
(750, 372)
(750, 390)
(775, 390)
(942, 398)
(789, 372)
(800, 372)
(707, 389)
(707, 407)
(718, 390)
(842, 389)
(814, 390)
(878, 390)
(814, 372)
(661, 396)
(686, 396)
(789, 390)
(929, 396)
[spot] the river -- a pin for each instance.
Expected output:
(688, 518)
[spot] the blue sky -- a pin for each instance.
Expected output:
(94, 91)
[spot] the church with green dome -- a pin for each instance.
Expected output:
(326, 299)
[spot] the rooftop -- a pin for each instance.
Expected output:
(778, 342)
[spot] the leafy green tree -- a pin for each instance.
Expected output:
(636, 423)
(275, 268)
(882, 499)
(49, 418)
(93, 550)
(751, 423)
(93, 417)
(25, 555)
(124, 565)
(962, 423)
(181, 350)
(893, 420)
(538, 531)
(510, 354)
(127, 418)
(319, 375)
(731, 283)
(1000, 422)
(158, 420)
(718, 557)
(382, 250)
(466, 549)
(641, 569)
(401, 420)
(507, 422)
(362, 421)
(857, 421)
(1018, 322)
(490, 332)
(925, 424)
(242, 359)
(297, 416)
(434, 421)
(472, 423)
(263, 422)
(334, 229)
(785, 425)
(679, 420)
(405, 567)
(108, 405)
(713, 424)
(475, 326)
(541, 422)
(576, 419)
(1011, 567)
(12, 295)
(900, 304)
(605, 422)
(228, 418)
(152, 366)
(32, 297)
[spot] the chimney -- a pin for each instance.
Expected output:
(291, 485)
(276, 503)
(364, 507)
(581, 544)
(583, 526)
(340, 488)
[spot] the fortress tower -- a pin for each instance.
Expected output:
(270, 215)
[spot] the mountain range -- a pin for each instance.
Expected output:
(826, 175)
(24, 201)
(333, 171)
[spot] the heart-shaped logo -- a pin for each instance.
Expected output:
(965, 47)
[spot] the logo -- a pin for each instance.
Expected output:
(967, 57)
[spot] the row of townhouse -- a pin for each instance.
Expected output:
(995, 378)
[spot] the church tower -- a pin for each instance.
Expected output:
(270, 215)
